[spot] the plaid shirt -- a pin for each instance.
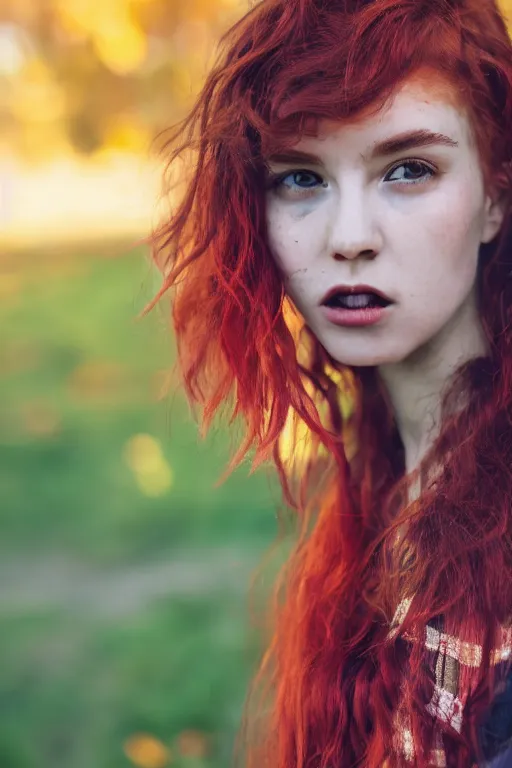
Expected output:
(455, 663)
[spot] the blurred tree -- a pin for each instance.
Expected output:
(79, 73)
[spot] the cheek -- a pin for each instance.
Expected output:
(287, 245)
(293, 259)
(452, 230)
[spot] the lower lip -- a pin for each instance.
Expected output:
(355, 317)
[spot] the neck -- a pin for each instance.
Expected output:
(415, 385)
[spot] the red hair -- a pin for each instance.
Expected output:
(328, 682)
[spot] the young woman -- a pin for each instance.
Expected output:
(339, 265)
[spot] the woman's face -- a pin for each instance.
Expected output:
(407, 221)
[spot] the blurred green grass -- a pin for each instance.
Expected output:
(122, 612)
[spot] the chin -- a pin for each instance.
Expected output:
(361, 362)
(362, 359)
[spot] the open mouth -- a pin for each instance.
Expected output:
(356, 301)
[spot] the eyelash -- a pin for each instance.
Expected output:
(276, 180)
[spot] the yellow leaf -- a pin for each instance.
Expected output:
(143, 453)
(144, 456)
(121, 45)
(155, 483)
(127, 136)
(146, 751)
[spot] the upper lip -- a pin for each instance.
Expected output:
(353, 289)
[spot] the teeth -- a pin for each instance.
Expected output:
(358, 300)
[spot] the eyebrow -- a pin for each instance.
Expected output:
(391, 146)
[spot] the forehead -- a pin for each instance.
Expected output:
(425, 100)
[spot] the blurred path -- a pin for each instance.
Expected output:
(55, 582)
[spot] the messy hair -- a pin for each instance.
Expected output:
(327, 685)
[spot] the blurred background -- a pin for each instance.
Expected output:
(124, 571)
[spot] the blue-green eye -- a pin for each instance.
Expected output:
(425, 172)
(279, 180)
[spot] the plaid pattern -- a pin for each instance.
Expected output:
(455, 663)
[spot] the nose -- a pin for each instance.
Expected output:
(354, 231)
